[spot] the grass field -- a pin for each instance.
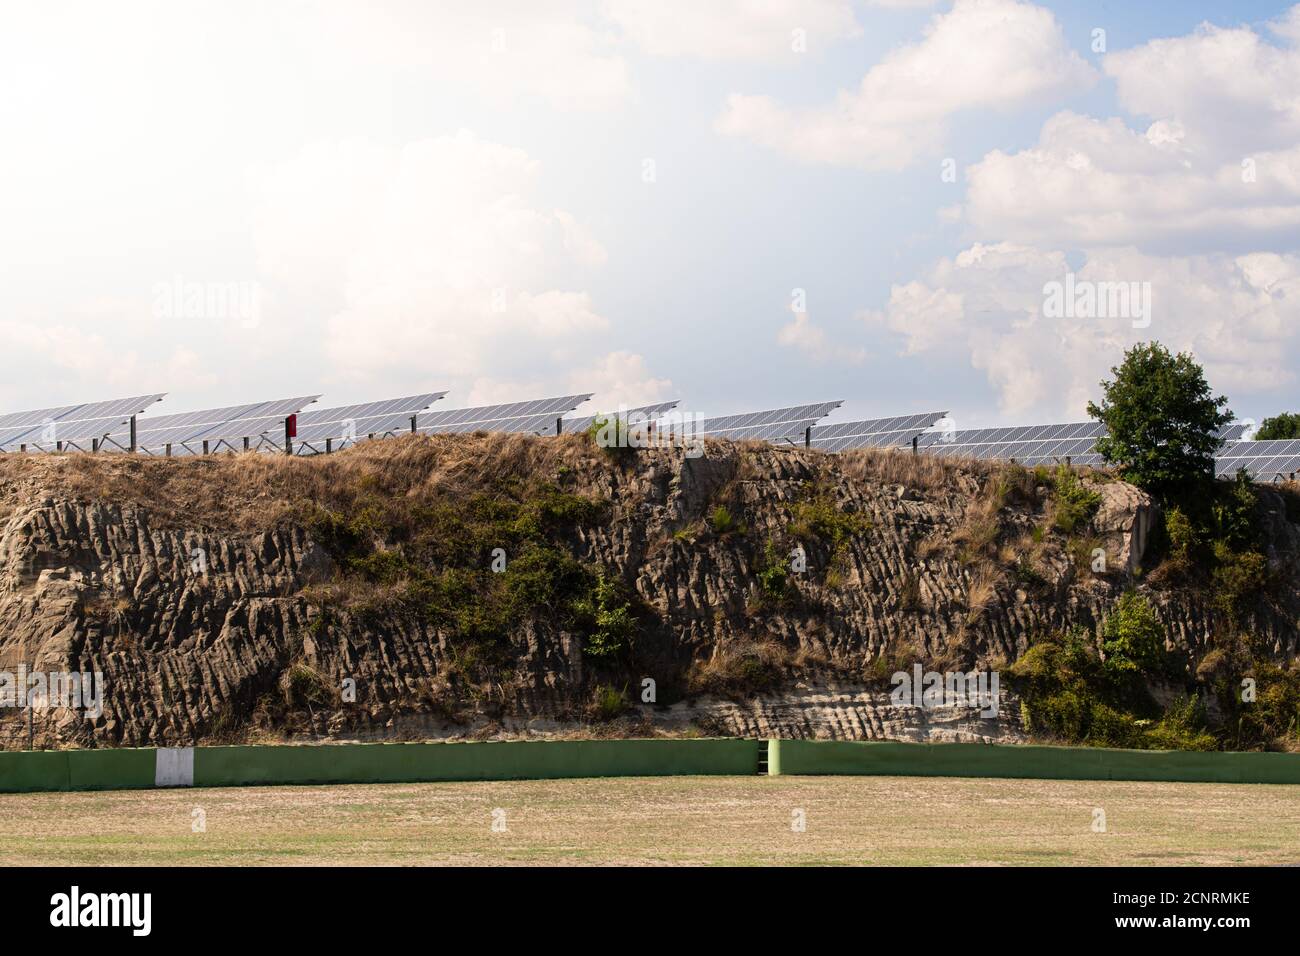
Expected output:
(664, 820)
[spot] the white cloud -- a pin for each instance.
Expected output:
(804, 336)
(983, 54)
(1239, 315)
(432, 262)
(1091, 182)
(1229, 88)
(67, 356)
(620, 377)
(1287, 25)
(1203, 203)
(1217, 169)
(753, 30)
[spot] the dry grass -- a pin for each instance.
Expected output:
(741, 668)
(982, 590)
(893, 466)
(664, 820)
(251, 492)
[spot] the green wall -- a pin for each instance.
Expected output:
(492, 760)
(117, 769)
(892, 758)
(549, 759)
(122, 769)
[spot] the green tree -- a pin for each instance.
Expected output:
(1161, 418)
(1285, 425)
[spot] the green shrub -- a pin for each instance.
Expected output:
(721, 521)
(1274, 715)
(1184, 537)
(609, 433)
(820, 520)
(608, 702)
(1028, 576)
(1075, 504)
(609, 616)
(773, 577)
(433, 560)
(1110, 727)
(1132, 638)
(1237, 578)
(1234, 511)
(1068, 694)
(1182, 727)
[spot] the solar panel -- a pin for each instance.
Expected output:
(354, 429)
(1263, 460)
(537, 416)
(201, 417)
(645, 412)
(1027, 444)
(225, 427)
(791, 433)
(774, 425)
(35, 417)
(69, 435)
(1032, 444)
(329, 429)
(389, 407)
(524, 424)
(70, 425)
(773, 417)
(873, 433)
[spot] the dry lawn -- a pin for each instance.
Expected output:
(665, 820)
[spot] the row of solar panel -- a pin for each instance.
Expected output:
(1276, 460)
(114, 424)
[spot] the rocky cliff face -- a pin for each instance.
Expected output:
(774, 591)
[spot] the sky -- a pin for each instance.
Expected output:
(742, 204)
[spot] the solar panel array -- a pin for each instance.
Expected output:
(70, 426)
(258, 425)
(330, 429)
(1276, 460)
(873, 433)
(537, 417)
(649, 413)
(780, 425)
(215, 429)
(1034, 444)
(1027, 444)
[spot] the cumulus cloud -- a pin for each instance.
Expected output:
(1091, 182)
(1227, 87)
(1237, 314)
(1217, 168)
(983, 54)
(803, 335)
(620, 377)
(1201, 202)
(751, 30)
(66, 356)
